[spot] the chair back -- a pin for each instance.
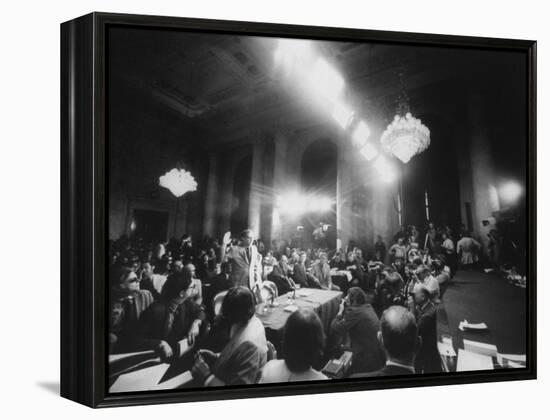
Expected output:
(271, 351)
(217, 302)
(268, 291)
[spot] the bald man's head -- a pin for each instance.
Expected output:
(399, 333)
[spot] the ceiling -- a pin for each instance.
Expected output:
(228, 87)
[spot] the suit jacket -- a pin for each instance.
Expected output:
(152, 328)
(362, 325)
(300, 275)
(279, 276)
(428, 359)
(246, 267)
(220, 283)
(322, 273)
(388, 370)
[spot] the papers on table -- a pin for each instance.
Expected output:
(141, 380)
(291, 308)
(513, 361)
(303, 293)
(116, 357)
(175, 382)
(468, 361)
(183, 347)
(485, 349)
(465, 325)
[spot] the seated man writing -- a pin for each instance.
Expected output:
(163, 325)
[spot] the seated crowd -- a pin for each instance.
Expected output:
(174, 297)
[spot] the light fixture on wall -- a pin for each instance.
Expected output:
(178, 181)
(405, 136)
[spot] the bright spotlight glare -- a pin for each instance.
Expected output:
(324, 80)
(342, 114)
(292, 54)
(292, 204)
(369, 151)
(510, 191)
(296, 204)
(316, 204)
(385, 169)
(360, 134)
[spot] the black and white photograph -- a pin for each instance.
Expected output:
(282, 210)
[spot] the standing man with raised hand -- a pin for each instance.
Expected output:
(244, 258)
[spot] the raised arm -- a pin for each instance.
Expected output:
(225, 242)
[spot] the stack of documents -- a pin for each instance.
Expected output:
(468, 361)
(140, 380)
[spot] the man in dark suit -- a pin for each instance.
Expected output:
(398, 336)
(245, 261)
(300, 274)
(281, 276)
(428, 359)
(357, 319)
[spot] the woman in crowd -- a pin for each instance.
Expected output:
(302, 348)
(244, 355)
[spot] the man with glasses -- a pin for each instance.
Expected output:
(128, 303)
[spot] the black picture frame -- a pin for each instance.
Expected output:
(84, 223)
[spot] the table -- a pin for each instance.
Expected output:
(324, 302)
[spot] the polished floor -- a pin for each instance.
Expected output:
(479, 297)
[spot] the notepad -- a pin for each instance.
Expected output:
(480, 348)
(512, 360)
(468, 361)
(140, 380)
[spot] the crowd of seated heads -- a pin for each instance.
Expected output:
(167, 292)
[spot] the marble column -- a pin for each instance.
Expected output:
(211, 196)
(226, 197)
(280, 180)
(344, 191)
(384, 216)
(256, 187)
(485, 197)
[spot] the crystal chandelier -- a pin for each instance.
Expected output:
(405, 136)
(178, 181)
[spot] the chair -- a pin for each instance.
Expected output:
(268, 291)
(217, 302)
